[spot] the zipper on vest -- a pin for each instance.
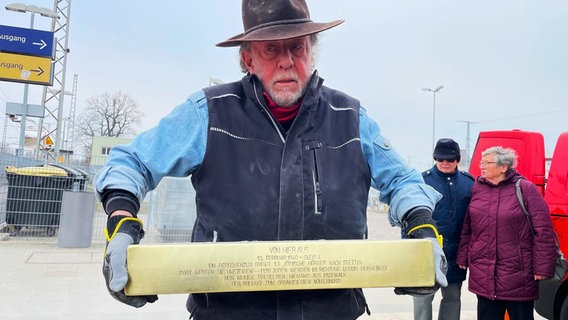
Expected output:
(316, 177)
(268, 114)
(317, 192)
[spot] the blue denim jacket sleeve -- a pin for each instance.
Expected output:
(175, 147)
(399, 186)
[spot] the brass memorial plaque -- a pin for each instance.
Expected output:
(278, 265)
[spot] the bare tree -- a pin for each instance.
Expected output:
(109, 115)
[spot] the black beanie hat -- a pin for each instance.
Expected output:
(447, 149)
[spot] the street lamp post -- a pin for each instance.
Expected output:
(434, 91)
(23, 8)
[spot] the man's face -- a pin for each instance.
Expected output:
(447, 166)
(283, 66)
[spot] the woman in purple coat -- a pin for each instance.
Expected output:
(505, 261)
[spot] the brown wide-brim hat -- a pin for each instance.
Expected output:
(265, 20)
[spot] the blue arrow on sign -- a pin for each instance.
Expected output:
(26, 41)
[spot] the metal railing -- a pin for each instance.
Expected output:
(31, 195)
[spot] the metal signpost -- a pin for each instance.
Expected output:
(26, 56)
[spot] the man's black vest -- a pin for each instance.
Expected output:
(257, 182)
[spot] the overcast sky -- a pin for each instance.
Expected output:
(503, 64)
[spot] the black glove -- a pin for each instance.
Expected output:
(121, 232)
(418, 224)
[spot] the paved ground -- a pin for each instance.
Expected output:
(44, 281)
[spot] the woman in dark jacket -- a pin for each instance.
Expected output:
(505, 261)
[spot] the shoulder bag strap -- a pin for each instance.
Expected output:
(522, 203)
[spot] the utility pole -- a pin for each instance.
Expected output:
(434, 91)
(467, 142)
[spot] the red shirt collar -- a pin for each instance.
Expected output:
(282, 114)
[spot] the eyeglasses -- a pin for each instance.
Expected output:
(486, 163)
(449, 160)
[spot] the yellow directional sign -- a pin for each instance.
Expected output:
(26, 69)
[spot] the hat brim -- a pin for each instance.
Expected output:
(279, 32)
(445, 156)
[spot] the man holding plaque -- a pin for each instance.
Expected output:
(275, 156)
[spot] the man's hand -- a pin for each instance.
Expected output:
(121, 232)
(418, 224)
